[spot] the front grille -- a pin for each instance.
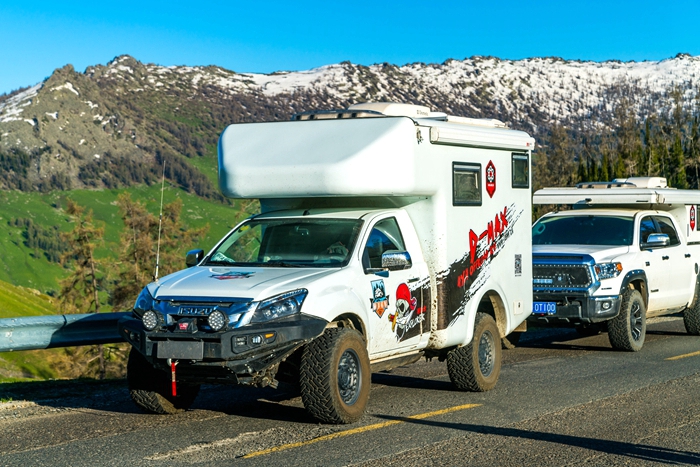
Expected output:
(561, 276)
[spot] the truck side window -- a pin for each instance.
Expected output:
(466, 184)
(385, 236)
(521, 171)
(646, 228)
(666, 227)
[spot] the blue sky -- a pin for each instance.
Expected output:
(265, 36)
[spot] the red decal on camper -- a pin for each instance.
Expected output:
(490, 179)
(692, 217)
(493, 232)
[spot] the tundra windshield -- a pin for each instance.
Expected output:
(583, 230)
(293, 242)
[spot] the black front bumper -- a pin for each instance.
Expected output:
(240, 355)
(576, 308)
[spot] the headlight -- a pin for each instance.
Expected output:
(144, 302)
(608, 270)
(217, 320)
(151, 320)
(279, 306)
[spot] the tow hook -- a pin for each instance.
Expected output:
(173, 381)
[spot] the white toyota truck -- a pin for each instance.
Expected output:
(388, 233)
(628, 250)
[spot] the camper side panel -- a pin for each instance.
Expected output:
(477, 239)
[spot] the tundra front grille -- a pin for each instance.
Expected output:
(561, 276)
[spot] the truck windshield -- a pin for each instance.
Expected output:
(288, 243)
(583, 230)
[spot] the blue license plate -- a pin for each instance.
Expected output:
(544, 308)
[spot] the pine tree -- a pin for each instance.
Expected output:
(80, 290)
(139, 247)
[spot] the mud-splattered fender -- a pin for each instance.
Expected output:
(336, 301)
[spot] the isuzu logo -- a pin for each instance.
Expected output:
(196, 310)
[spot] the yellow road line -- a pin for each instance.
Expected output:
(361, 429)
(678, 357)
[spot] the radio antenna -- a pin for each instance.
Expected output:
(160, 222)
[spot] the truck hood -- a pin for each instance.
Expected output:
(601, 253)
(226, 282)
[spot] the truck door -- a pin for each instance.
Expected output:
(399, 314)
(677, 265)
(653, 264)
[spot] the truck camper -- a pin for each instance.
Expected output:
(387, 233)
(627, 250)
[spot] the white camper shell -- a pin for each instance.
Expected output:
(439, 207)
(627, 250)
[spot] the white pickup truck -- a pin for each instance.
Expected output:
(627, 250)
(388, 233)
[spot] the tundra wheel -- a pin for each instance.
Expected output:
(151, 389)
(475, 367)
(627, 330)
(335, 376)
(691, 316)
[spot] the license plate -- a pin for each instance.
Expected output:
(544, 308)
(181, 350)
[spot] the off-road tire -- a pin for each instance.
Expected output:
(150, 388)
(335, 376)
(627, 330)
(691, 316)
(475, 367)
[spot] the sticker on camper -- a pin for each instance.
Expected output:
(408, 314)
(229, 275)
(467, 275)
(490, 179)
(379, 300)
(692, 217)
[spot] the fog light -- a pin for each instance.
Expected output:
(217, 320)
(606, 305)
(150, 320)
(257, 340)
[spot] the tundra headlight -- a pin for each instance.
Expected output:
(279, 306)
(608, 270)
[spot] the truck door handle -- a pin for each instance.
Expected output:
(414, 279)
(687, 255)
(664, 258)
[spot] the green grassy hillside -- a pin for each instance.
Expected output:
(28, 267)
(21, 301)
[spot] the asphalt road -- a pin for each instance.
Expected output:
(561, 400)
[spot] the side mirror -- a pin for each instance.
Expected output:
(194, 257)
(657, 240)
(395, 260)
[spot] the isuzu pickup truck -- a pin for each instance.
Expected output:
(387, 233)
(627, 250)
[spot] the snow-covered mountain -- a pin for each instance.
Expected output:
(135, 110)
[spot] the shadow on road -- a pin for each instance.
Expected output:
(618, 448)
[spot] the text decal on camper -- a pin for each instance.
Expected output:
(493, 231)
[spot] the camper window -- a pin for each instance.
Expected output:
(466, 184)
(521, 171)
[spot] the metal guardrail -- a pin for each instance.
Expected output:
(45, 332)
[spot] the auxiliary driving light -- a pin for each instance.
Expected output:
(217, 320)
(150, 320)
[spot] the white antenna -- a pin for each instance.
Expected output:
(160, 222)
